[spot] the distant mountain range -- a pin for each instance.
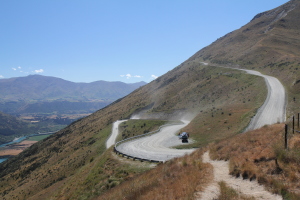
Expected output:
(52, 102)
(42, 88)
(44, 94)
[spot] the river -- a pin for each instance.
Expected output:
(3, 159)
(18, 140)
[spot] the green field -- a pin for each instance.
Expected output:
(38, 137)
(134, 127)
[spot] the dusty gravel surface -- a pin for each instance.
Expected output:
(246, 187)
(114, 133)
(156, 146)
(273, 109)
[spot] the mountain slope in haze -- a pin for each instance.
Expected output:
(269, 43)
(46, 96)
(37, 87)
(74, 164)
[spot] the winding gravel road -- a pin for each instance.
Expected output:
(273, 109)
(158, 146)
(114, 133)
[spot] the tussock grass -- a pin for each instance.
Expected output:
(62, 165)
(176, 179)
(106, 172)
(223, 101)
(216, 120)
(228, 193)
(260, 155)
(134, 127)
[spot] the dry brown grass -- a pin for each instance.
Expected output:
(228, 193)
(176, 179)
(53, 166)
(67, 157)
(226, 109)
(260, 155)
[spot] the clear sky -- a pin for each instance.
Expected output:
(113, 40)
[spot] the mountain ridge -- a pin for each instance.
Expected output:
(269, 43)
(35, 87)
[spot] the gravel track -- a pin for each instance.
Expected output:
(156, 146)
(273, 109)
(114, 133)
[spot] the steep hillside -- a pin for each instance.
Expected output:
(257, 155)
(261, 155)
(70, 160)
(269, 43)
(74, 164)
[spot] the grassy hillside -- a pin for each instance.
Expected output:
(177, 179)
(136, 127)
(256, 155)
(74, 164)
(261, 155)
(269, 43)
(74, 159)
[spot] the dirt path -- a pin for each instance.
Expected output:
(246, 187)
(114, 133)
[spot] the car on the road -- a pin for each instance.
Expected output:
(184, 137)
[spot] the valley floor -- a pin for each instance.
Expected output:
(15, 149)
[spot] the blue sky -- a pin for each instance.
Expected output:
(113, 40)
